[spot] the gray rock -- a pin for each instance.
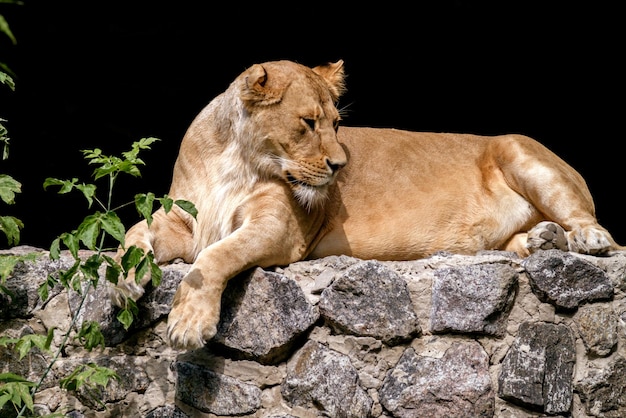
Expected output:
(565, 280)
(263, 314)
(456, 385)
(538, 368)
(325, 380)
(597, 326)
(473, 298)
(370, 300)
(603, 392)
(20, 296)
(97, 307)
(157, 301)
(167, 411)
(33, 364)
(153, 306)
(132, 378)
(215, 393)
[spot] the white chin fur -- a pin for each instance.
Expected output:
(310, 197)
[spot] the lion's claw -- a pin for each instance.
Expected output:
(125, 289)
(188, 336)
(193, 318)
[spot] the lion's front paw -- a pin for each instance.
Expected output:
(125, 289)
(193, 318)
(546, 236)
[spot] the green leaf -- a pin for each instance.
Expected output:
(8, 187)
(16, 393)
(93, 154)
(55, 249)
(44, 288)
(144, 204)
(143, 143)
(110, 166)
(66, 185)
(131, 258)
(126, 316)
(131, 167)
(90, 267)
(113, 270)
(12, 377)
(4, 138)
(4, 28)
(113, 225)
(156, 274)
(27, 342)
(187, 206)
(167, 203)
(142, 268)
(4, 341)
(89, 375)
(7, 266)
(8, 263)
(72, 243)
(89, 230)
(66, 276)
(7, 80)
(90, 335)
(11, 227)
(89, 191)
(48, 341)
(102, 376)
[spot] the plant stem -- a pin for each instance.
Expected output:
(59, 349)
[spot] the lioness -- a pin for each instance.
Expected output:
(276, 180)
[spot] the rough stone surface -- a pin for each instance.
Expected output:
(216, 393)
(458, 384)
(538, 368)
(598, 327)
(370, 300)
(492, 343)
(318, 377)
(263, 313)
(475, 298)
(565, 280)
(603, 391)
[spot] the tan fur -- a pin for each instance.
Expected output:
(264, 165)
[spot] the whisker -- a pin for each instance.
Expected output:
(344, 111)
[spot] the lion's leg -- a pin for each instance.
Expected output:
(267, 237)
(517, 244)
(557, 191)
(168, 237)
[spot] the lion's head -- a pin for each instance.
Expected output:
(293, 119)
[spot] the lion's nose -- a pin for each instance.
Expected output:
(335, 165)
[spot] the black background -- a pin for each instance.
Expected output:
(94, 74)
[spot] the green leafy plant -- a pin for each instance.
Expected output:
(92, 233)
(9, 225)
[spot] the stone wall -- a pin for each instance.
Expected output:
(489, 335)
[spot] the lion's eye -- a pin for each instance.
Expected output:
(310, 123)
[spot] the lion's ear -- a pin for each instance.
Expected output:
(259, 89)
(334, 75)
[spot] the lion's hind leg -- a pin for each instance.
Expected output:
(557, 192)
